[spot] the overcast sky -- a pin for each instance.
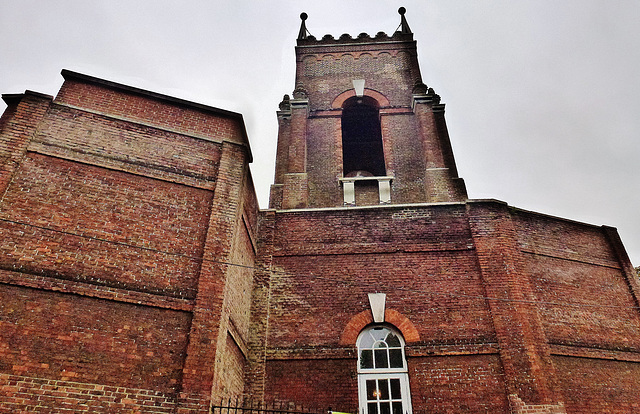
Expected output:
(543, 96)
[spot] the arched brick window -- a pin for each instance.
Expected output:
(383, 383)
(362, 152)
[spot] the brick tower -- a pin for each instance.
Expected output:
(362, 128)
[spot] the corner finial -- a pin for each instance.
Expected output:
(303, 33)
(404, 26)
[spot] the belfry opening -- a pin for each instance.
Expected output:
(362, 151)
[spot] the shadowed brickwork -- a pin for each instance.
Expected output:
(120, 208)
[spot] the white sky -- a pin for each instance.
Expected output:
(543, 96)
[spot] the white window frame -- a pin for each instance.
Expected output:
(365, 374)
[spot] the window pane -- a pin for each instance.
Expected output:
(382, 360)
(380, 344)
(383, 387)
(372, 408)
(395, 355)
(392, 340)
(371, 390)
(366, 358)
(397, 408)
(395, 389)
(379, 333)
(367, 340)
(385, 408)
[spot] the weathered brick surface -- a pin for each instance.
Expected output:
(389, 229)
(140, 149)
(18, 124)
(585, 295)
(226, 246)
(237, 304)
(74, 338)
(589, 311)
(458, 384)
(524, 351)
(326, 72)
(583, 304)
(491, 306)
(82, 92)
(405, 157)
(325, 262)
(324, 187)
(123, 212)
(255, 375)
(306, 289)
(315, 383)
(598, 385)
(544, 235)
(519, 407)
(86, 223)
(28, 394)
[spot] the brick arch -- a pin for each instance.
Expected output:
(340, 99)
(391, 316)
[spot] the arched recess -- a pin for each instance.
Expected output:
(391, 316)
(381, 100)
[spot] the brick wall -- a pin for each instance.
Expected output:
(121, 208)
(28, 394)
(305, 289)
(326, 72)
(104, 97)
(68, 337)
(318, 384)
(75, 221)
(323, 265)
(458, 384)
(587, 298)
(106, 141)
(486, 288)
(593, 385)
(584, 296)
(324, 164)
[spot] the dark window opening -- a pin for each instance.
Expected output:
(362, 152)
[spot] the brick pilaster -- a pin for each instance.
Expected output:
(206, 348)
(441, 176)
(524, 351)
(295, 190)
(255, 375)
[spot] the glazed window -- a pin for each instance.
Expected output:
(381, 348)
(383, 383)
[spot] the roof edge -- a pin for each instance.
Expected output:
(13, 98)
(71, 75)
